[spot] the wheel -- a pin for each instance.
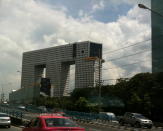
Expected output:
(137, 124)
(131, 125)
(8, 126)
(149, 127)
(121, 123)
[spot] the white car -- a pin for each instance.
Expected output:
(108, 116)
(5, 120)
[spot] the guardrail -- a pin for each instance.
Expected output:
(87, 116)
(11, 112)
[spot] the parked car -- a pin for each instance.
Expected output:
(21, 107)
(42, 109)
(52, 122)
(5, 120)
(109, 116)
(135, 119)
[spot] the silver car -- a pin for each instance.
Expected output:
(5, 120)
(135, 119)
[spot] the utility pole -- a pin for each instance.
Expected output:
(99, 84)
(99, 61)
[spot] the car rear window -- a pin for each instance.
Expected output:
(4, 115)
(59, 122)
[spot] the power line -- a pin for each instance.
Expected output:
(131, 54)
(156, 59)
(134, 44)
(137, 43)
(131, 64)
(126, 65)
(143, 51)
(128, 56)
(128, 76)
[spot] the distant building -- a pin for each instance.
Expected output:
(157, 36)
(55, 62)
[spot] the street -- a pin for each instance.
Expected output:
(88, 128)
(13, 128)
(96, 128)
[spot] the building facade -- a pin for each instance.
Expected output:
(56, 61)
(157, 36)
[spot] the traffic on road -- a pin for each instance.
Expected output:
(103, 121)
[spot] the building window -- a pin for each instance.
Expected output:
(95, 50)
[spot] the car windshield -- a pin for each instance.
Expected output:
(59, 122)
(139, 116)
(3, 115)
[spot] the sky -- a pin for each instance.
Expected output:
(36, 24)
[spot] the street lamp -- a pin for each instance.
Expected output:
(142, 6)
(145, 7)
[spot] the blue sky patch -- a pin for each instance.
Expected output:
(109, 13)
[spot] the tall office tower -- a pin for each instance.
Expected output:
(157, 36)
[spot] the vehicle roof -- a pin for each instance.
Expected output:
(52, 116)
(108, 113)
(136, 113)
(133, 113)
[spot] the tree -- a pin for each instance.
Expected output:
(82, 104)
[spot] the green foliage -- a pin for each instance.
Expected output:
(142, 93)
(82, 104)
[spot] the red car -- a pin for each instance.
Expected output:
(52, 123)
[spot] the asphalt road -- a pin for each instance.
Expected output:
(10, 129)
(96, 127)
(89, 127)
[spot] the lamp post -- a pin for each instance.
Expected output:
(153, 11)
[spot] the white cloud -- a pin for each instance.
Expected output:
(98, 6)
(30, 25)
